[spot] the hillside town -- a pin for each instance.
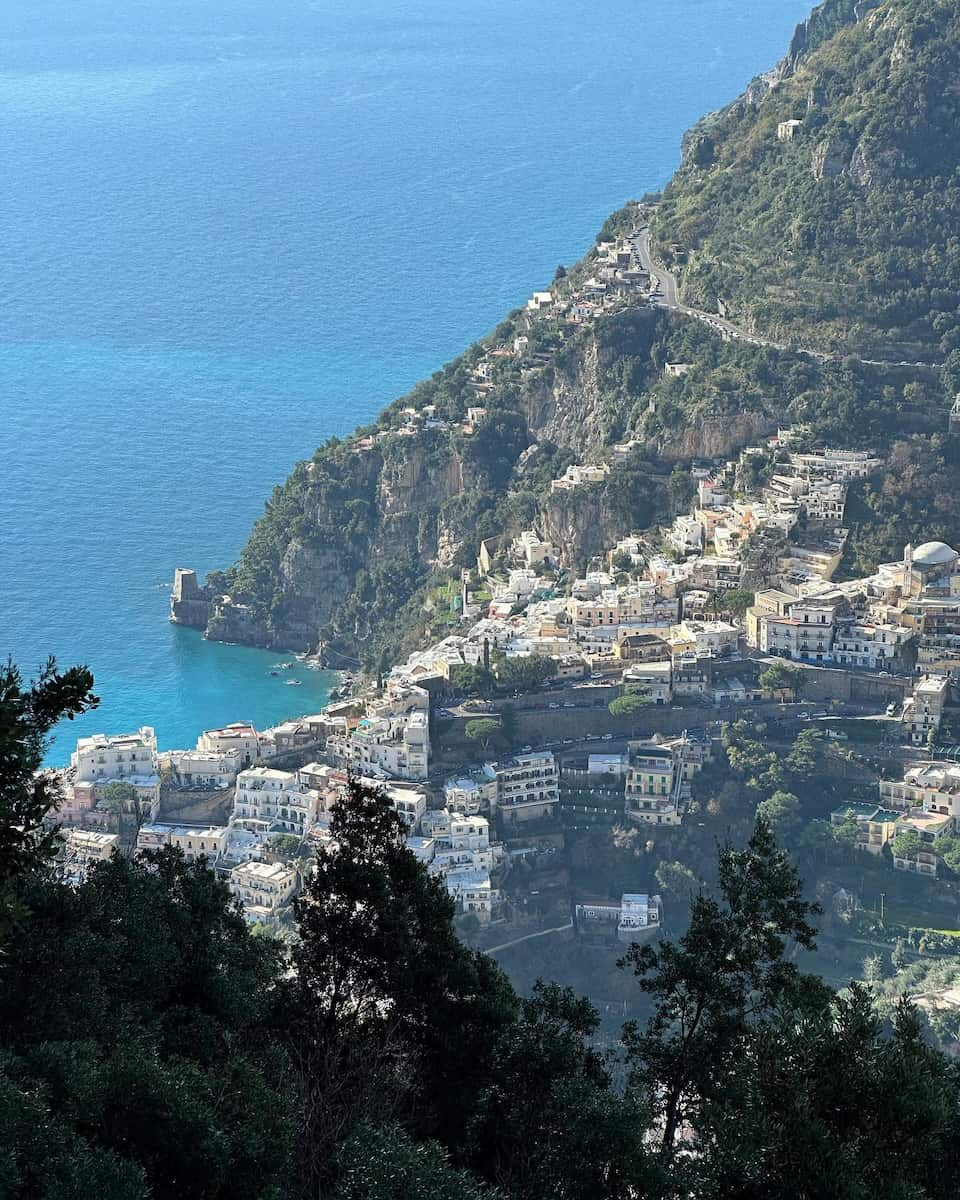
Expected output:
(556, 700)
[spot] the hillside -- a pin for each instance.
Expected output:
(848, 229)
(824, 204)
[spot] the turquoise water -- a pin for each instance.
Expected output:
(231, 229)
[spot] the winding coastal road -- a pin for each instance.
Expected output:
(667, 295)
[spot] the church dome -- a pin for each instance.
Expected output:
(934, 554)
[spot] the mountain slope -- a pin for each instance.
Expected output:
(844, 236)
(842, 230)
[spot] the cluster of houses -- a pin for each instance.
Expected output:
(619, 276)
(278, 815)
(924, 803)
(649, 618)
(788, 533)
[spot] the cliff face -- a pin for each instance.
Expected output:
(715, 437)
(384, 504)
(586, 522)
(575, 403)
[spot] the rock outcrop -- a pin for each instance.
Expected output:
(189, 602)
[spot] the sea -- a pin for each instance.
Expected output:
(232, 228)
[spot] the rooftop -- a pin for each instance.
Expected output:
(263, 872)
(934, 554)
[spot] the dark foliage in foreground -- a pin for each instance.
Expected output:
(152, 1046)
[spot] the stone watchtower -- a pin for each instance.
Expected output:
(189, 602)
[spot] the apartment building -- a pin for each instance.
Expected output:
(239, 737)
(633, 918)
(707, 639)
(806, 633)
(876, 826)
(923, 711)
(263, 889)
(269, 801)
(867, 644)
(460, 842)
(211, 769)
(651, 786)
(473, 893)
(931, 787)
(471, 793)
(397, 746)
(120, 758)
(527, 787)
(196, 841)
(82, 849)
(409, 804)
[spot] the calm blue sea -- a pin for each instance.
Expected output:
(230, 228)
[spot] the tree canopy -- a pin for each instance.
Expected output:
(152, 1046)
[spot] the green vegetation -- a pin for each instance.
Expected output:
(736, 601)
(27, 714)
(782, 677)
(525, 674)
(907, 844)
(151, 1045)
(844, 235)
(483, 730)
(915, 498)
(628, 705)
(475, 680)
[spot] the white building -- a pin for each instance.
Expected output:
(923, 711)
(269, 801)
(82, 849)
(533, 551)
(409, 804)
(707, 639)
(826, 501)
(635, 917)
(423, 848)
(263, 889)
(240, 737)
(578, 474)
(460, 843)
(100, 757)
(932, 787)
(528, 787)
(391, 746)
(640, 915)
(472, 793)
(843, 465)
(196, 841)
(655, 678)
(805, 632)
(473, 892)
(203, 768)
(686, 535)
(120, 758)
(539, 302)
(868, 644)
